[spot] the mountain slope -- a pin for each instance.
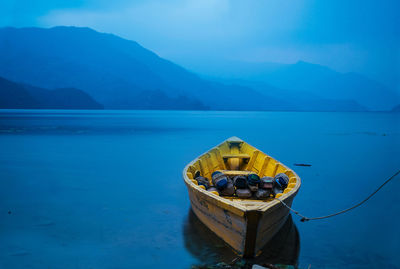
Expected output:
(325, 82)
(301, 100)
(14, 95)
(115, 71)
(308, 81)
(121, 74)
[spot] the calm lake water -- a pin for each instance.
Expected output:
(103, 189)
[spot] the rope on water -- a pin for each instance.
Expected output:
(304, 218)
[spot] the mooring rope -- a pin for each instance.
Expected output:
(304, 218)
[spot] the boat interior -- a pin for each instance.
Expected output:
(236, 157)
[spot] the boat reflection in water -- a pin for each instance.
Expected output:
(208, 248)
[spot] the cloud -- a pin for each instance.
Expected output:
(161, 19)
(228, 23)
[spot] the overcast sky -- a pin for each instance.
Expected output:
(348, 36)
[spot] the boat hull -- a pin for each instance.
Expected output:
(229, 226)
(246, 225)
(246, 232)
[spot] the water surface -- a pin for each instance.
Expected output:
(103, 189)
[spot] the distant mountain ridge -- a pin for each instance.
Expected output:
(16, 96)
(305, 81)
(116, 72)
(121, 74)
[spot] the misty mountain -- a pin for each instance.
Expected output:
(15, 95)
(305, 82)
(325, 82)
(118, 73)
(121, 74)
(300, 100)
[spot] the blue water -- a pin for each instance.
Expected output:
(103, 189)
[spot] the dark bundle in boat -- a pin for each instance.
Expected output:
(223, 183)
(244, 186)
(266, 188)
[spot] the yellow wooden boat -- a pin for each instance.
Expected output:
(246, 225)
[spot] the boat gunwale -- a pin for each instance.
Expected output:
(232, 205)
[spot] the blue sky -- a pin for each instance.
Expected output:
(348, 36)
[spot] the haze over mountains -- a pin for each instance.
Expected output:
(304, 82)
(120, 74)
